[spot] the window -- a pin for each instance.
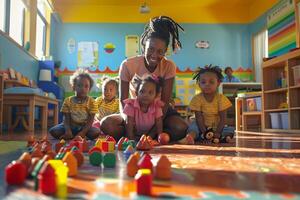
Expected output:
(260, 50)
(40, 37)
(17, 21)
(2, 15)
(41, 29)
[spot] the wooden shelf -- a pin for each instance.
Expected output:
(272, 71)
(279, 90)
(252, 113)
(295, 87)
(295, 108)
(277, 110)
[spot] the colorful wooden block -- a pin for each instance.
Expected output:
(15, 173)
(109, 160)
(163, 168)
(47, 180)
(145, 163)
(132, 165)
(70, 160)
(143, 181)
(95, 158)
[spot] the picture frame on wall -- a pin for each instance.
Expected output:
(12, 73)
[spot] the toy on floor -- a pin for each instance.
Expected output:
(163, 138)
(47, 180)
(129, 150)
(95, 156)
(78, 155)
(15, 173)
(120, 143)
(144, 144)
(132, 165)
(60, 144)
(109, 160)
(163, 168)
(71, 162)
(145, 162)
(143, 181)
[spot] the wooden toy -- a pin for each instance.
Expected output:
(47, 180)
(46, 146)
(147, 155)
(109, 160)
(163, 138)
(137, 154)
(77, 144)
(152, 142)
(145, 163)
(26, 159)
(51, 154)
(143, 144)
(163, 168)
(61, 172)
(60, 144)
(110, 139)
(95, 156)
(70, 160)
(129, 150)
(37, 152)
(30, 141)
(37, 169)
(79, 157)
(143, 181)
(34, 161)
(15, 173)
(120, 143)
(132, 165)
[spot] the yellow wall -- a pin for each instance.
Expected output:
(212, 11)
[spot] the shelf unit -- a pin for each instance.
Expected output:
(273, 97)
(247, 120)
(1, 102)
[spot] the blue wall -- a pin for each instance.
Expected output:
(14, 57)
(229, 44)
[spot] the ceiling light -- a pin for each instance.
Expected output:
(144, 8)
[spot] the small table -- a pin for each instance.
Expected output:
(31, 100)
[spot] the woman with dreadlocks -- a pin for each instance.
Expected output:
(154, 42)
(209, 106)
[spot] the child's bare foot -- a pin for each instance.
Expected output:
(189, 139)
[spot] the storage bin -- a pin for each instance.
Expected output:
(296, 71)
(284, 120)
(275, 120)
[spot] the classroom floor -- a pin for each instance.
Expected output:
(254, 166)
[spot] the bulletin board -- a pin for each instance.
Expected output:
(281, 28)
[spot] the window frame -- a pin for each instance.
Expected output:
(39, 14)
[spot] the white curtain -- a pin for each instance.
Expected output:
(260, 50)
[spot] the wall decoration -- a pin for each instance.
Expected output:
(12, 73)
(88, 55)
(109, 47)
(71, 45)
(132, 45)
(202, 44)
(281, 28)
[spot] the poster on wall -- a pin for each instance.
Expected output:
(131, 45)
(71, 45)
(88, 55)
(281, 28)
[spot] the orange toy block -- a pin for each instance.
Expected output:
(25, 158)
(163, 168)
(71, 162)
(144, 144)
(37, 152)
(132, 165)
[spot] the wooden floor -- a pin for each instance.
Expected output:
(254, 166)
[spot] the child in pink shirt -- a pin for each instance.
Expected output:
(144, 112)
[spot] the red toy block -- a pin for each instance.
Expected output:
(47, 179)
(110, 139)
(120, 142)
(15, 173)
(26, 159)
(144, 144)
(58, 145)
(95, 149)
(104, 146)
(145, 163)
(143, 181)
(30, 141)
(37, 152)
(78, 144)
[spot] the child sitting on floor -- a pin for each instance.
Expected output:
(144, 113)
(78, 110)
(108, 103)
(209, 106)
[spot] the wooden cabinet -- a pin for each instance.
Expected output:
(248, 119)
(281, 96)
(1, 102)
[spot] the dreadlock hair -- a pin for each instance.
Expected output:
(138, 81)
(162, 27)
(208, 68)
(81, 73)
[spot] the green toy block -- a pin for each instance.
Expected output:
(109, 160)
(124, 145)
(95, 158)
(132, 143)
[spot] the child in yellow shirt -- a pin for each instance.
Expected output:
(78, 110)
(108, 103)
(209, 106)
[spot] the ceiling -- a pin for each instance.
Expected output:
(184, 11)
